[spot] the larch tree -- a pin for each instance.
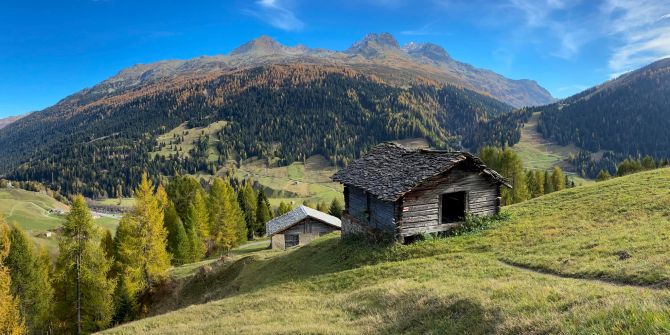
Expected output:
(30, 282)
(322, 207)
(227, 224)
(82, 291)
(11, 322)
(558, 179)
(197, 225)
(142, 240)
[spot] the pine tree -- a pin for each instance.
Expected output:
(82, 291)
(603, 175)
(178, 242)
(557, 179)
(142, 242)
(247, 200)
(335, 208)
(548, 184)
(125, 303)
(227, 224)
(263, 213)
(10, 317)
(182, 190)
(648, 163)
(533, 186)
(30, 281)
(107, 245)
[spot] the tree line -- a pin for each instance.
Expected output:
(526, 183)
(100, 279)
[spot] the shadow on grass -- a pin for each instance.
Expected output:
(325, 255)
(437, 316)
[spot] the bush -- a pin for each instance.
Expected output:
(475, 223)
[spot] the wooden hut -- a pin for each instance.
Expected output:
(300, 226)
(398, 192)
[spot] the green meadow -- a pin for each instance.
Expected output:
(588, 260)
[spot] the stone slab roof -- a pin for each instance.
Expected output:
(293, 217)
(390, 170)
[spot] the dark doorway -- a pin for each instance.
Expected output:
(291, 240)
(453, 207)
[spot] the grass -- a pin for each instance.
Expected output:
(555, 267)
(30, 211)
(538, 153)
(190, 137)
(295, 183)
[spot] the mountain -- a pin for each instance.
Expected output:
(98, 144)
(6, 121)
(376, 54)
(629, 115)
(268, 101)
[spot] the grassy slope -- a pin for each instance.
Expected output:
(461, 284)
(30, 211)
(542, 154)
(190, 135)
(309, 181)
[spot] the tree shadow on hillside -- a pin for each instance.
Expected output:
(251, 273)
(436, 315)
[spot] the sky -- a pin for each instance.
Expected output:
(51, 49)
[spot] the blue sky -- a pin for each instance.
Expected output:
(50, 49)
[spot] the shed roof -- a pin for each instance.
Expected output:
(293, 217)
(389, 170)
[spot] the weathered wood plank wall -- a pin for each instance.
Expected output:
(421, 206)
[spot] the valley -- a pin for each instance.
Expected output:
(41, 215)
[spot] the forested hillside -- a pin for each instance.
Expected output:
(100, 146)
(629, 115)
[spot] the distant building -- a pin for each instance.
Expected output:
(395, 192)
(300, 226)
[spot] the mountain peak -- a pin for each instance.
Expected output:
(431, 51)
(374, 44)
(261, 45)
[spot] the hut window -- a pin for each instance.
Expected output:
(291, 240)
(452, 207)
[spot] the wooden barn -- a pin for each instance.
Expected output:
(300, 226)
(399, 192)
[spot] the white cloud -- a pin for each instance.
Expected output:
(638, 31)
(642, 32)
(276, 14)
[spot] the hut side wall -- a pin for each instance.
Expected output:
(421, 207)
(367, 213)
(307, 230)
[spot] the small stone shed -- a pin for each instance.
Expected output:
(300, 226)
(395, 192)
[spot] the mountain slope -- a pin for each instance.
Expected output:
(376, 54)
(629, 115)
(287, 112)
(596, 268)
(6, 121)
